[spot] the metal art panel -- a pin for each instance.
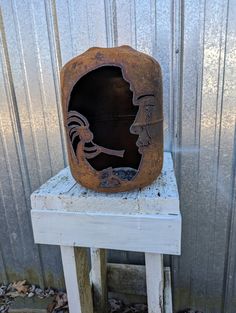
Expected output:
(195, 43)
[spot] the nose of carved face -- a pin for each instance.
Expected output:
(144, 138)
(140, 128)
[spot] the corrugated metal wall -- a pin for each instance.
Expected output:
(205, 274)
(195, 42)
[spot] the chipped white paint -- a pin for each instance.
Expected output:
(152, 212)
(62, 193)
(143, 233)
(76, 272)
(146, 220)
(154, 281)
(70, 274)
(99, 279)
(168, 307)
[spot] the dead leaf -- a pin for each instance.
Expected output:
(20, 286)
(15, 294)
(115, 306)
(61, 300)
(50, 307)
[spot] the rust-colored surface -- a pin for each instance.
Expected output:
(112, 108)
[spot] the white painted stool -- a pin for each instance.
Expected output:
(147, 220)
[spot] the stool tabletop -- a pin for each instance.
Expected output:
(63, 193)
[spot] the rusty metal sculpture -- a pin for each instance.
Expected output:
(112, 108)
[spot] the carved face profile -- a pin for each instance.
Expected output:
(112, 107)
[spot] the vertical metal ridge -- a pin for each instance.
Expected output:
(111, 23)
(114, 23)
(197, 135)
(153, 11)
(230, 262)
(133, 23)
(3, 275)
(55, 54)
(4, 212)
(40, 80)
(55, 29)
(174, 51)
(198, 109)
(26, 86)
(88, 24)
(170, 87)
(179, 113)
(71, 24)
(109, 33)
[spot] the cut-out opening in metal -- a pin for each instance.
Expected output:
(101, 106)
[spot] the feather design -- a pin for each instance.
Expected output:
(78, 126)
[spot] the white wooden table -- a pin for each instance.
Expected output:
(147, 220)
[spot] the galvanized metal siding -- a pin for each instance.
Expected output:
(195, 42)
(31, 143)
(204, 151)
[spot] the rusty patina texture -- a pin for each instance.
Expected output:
(112, 108)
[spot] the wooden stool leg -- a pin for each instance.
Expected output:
(154, 280)
(99, 279)
(76, 272)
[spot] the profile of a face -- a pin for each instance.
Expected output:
(112, 107)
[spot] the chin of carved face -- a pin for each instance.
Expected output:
(141, 149)
(144, 139)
